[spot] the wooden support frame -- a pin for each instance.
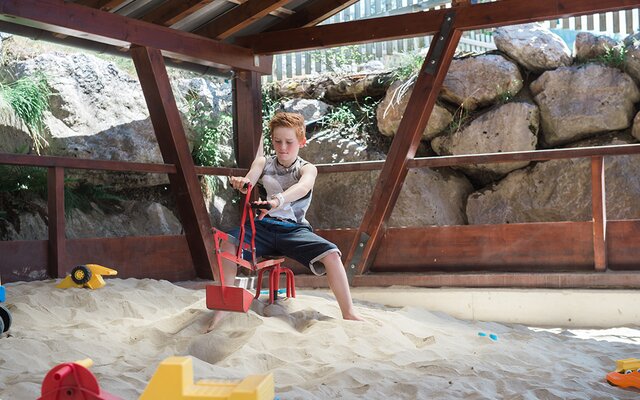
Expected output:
(174, 148)
(116, 30)
(57, 237)
(247, 116)
(598, 203)
(470, 17)
(404, 146)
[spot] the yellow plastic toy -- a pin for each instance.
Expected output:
(87, 276)
(628, 364)
(173, 380)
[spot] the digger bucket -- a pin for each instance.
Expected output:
(228, 298)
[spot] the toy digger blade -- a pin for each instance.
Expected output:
(86, 276)
(174, 380)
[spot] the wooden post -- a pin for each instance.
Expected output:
(174, 148)
(425, 92)
(56, 222)
(247, 118)
(598, 202)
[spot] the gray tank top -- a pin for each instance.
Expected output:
(276, 179)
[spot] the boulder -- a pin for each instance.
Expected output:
(391, 109)
(509, 127)
(340, 199)
(635, 131)
(632, 58)
(578, 102)
(560, 190)
(311, 110)
(590, 47)
(481, 81)
(334, 88)
(533, 46)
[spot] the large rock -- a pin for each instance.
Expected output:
(636, 127)
(340, 199)
(481, 81)
(632, 58)
(432, 197)
(334, 89)
(533, 46)
(560, 190)
(97, 112)
(391, 109)
(311, 110)
(589, 46)
(510, 127)
(14, 134)
(577, 102)
(137, 218)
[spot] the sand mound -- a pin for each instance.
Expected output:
(130, 325)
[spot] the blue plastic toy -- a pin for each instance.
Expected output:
(491, 336)
(5, 315)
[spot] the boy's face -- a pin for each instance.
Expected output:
(286, 144)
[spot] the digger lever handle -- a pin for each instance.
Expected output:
(265, 206)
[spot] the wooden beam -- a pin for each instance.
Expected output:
(569, 280)
(536, 155)
(470, 17)
(116, 30)
(247, 119)
(598, 203)
(81, 163)
(56, 222)
(104, 5)
(404, 146)
(165, 118)
(312, 14)
(239, 18)
(172, 11)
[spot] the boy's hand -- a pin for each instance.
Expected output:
(239, 183)
(263, 211)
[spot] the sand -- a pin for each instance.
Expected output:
(130, 325)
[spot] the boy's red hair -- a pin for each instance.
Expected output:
(289, 120)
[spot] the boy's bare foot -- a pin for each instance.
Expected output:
(217, 317)
(352, 317)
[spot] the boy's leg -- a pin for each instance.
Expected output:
(339, 284)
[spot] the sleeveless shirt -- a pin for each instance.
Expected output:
(276, 179)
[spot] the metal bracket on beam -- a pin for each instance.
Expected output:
(440, 39)
(357, 256)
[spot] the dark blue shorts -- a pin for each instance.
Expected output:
(282, 238)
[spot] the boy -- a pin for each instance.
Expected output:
(283, 230)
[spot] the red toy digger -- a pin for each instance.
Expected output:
(231, 298)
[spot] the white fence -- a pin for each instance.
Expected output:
(617, 24)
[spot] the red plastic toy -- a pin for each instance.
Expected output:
(73, 381)
(231, 298)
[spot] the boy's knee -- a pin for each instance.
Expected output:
(331, 259)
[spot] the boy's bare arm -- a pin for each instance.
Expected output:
(308, 175)
(252, 176)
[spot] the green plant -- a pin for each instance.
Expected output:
(408, 67)
(614, 56)
(352, 118)
(211, 132)
(460, 118)
(337, 58)
(504, 96)
(29, 98)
